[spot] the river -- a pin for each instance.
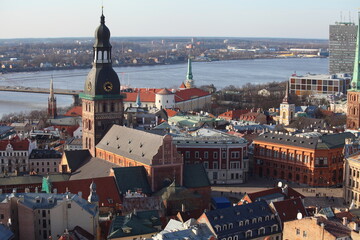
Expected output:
(221, 74)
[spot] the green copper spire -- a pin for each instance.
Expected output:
(355, 83)
(138, 102)
(189, 75)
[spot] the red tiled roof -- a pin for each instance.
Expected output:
(234, 114)
(189, 93)
(288, 209)
(105, 188)
(75, 111)
(170, 112)
(17, 145)
(291, 193)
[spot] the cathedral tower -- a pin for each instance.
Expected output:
(287, 110)
(353, 94)
(102, 103)
(52, 113)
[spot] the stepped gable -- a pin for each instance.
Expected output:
(131, 143)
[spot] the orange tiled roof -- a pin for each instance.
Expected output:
(234, 114)
(170, 112)
(75, 111)
(291, 193)
(288, 209)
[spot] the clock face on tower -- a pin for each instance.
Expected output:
(108, 86)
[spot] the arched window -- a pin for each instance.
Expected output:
(89, 143)
(105, 55)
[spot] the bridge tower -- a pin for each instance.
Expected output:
(52, 113)
(102, 103)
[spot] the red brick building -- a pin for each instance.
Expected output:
(224, 156)
(308, 158)
(129, 147)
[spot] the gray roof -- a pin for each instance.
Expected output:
(50, 200)
(131, 143)
(195, 176)
(94, 168)
(5, 233)
(76, 158)
(328, 141)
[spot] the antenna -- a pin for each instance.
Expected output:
(341, 19)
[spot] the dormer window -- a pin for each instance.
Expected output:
(254, 220)
(266, 218)
(247, 222)
(230, 225)
(261, 231)
(224, 227)
(241, 223)
(274, 228)
(260, 219)
(249, 234)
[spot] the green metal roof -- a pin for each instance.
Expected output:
(132, 178)
(355, 83)
(195, 176)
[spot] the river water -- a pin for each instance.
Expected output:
(221, 74)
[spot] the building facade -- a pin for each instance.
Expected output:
(319, 84)
(316, 160)
(14, 156)
(224, 156)
(102, 103)
(40, 216)
(44, 161)
(351, 180)
(342, 41)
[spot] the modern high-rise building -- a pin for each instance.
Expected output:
(342, 41)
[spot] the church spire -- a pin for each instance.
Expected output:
(138, 102)
(189, 82)
(52, 113)
(355, 83)
(286, 98)
(189, 75)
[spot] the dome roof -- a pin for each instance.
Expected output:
(102, 34)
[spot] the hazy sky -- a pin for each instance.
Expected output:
(226, 18)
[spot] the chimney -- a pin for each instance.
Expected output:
(36, 190)
(55, 190)
(80, 194)
(27, 190)
(345, 222)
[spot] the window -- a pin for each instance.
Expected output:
(187, 154)
(224, 227)
(304, 234)
(234, 165)
(206, 165)
(223, 155)
(230, 225)
(197, 154)
(297, 231)
(274, 228)
(215, 155)
(206, 155)
(215, 165)
(241, 223)
(261, 231)
(248, 233)
(235, 155)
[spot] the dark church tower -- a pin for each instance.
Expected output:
(102, 103)
(353, 95)
(52, 113)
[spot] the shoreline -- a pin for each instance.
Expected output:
(38, 69)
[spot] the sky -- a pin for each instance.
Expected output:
(190, 18)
